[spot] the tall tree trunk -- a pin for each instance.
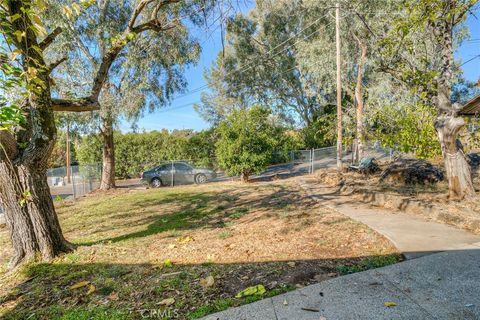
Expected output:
(30, 214)
(447, 123)
(31, 218)
(359, 100)
(108, 165)
(456, 166)
(339, 89)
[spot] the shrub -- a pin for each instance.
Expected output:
(246, 142)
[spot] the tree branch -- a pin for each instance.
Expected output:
(112, 53)
(75, 105)
(55, 64)
(50, 38)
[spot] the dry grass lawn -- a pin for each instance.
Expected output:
(140, 247)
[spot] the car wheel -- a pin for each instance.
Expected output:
(200, 178)
(156, 183)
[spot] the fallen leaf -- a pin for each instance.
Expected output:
(113, 296)
(168, 263)
(389, 304)
(172, 246)
(257, 290)
(167, 302)
(291, 264)
(171, 274)
(183, 240)
(79, 285)
(91, 289)
(207, 282)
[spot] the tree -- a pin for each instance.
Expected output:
(246, 141)
(30, 214)
(259, 66)
(147, 72)
(439, 19)
(360, 22)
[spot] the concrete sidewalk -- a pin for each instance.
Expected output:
(413, 236)
(438, 286)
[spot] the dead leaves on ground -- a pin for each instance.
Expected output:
(82, 284)
(79, 285)
(207, 282)
(167, 302)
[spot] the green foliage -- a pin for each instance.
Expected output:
(10, 116)
(136, 152)
(322, 131)
(406, 128)
(246, 142)
(255, 68)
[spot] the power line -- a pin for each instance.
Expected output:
(252, 63)
(469, 60)
(234, 71)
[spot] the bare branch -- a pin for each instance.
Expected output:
(50, 38)
(138, 10)
(75, 105)
(55, 64)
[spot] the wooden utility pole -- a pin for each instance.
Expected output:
(68, 168)
(339, 88)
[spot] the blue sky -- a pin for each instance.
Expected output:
(180, 115)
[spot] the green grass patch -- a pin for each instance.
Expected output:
(368, 263)
(238, 213)
(223, 304)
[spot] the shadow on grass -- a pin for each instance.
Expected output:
(193, 211)
(126, 291)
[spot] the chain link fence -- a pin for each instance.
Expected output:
(309, 161)
(82, 180)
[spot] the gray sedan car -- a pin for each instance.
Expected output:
(180, 172)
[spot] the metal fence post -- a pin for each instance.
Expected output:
(172, 183)
(73, 186)
(313, 160)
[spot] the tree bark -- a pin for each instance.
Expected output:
(244, 176)
(447, 123)
(456, 166)
(359, 100)
(31, 218)
(108, 163)
(339, 89)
